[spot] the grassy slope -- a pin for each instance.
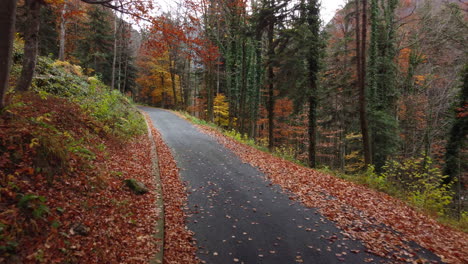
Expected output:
(65, 149)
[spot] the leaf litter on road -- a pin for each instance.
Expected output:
(178, 240)
(384, 224)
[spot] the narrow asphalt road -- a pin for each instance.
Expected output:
(238, 216)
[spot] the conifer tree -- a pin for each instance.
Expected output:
(457, 138)
(383, 93)
(95, 49)
(311, 14)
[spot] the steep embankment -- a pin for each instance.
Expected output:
(65, 150)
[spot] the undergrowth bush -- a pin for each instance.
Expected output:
(114, 110)
(414, 180)
(422, 183)
(65, 80)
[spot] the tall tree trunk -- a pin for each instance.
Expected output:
(63, 24)
(124, 84)
(210, 91)
(312, 127)
(313, 57)
(31, 41)
(120, 51)
(114, 57)
(362, 90)
(361, 38)
(174, 91)
(243, 91)
(7, 31)
(163, 94)
(271, 99)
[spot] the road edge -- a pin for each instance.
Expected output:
(159, 227)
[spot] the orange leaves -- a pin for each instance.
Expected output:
(360, 213)
(89, 217)
(177, 239)
(419, 79)
(462, 111)
(403, 58)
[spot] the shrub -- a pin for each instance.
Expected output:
(421, 182)
(114, 110)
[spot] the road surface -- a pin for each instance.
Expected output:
(238, 216)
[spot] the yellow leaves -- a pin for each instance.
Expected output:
(419, 79)
(34, 142)
(156, 80)
(353, 136)
(404, 58)
(68, 67)
(221, 110)
(54, 2)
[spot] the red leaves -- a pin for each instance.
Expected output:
(361, 213)
(177, 239)
(90, 217)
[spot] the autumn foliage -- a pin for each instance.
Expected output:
(62, 192)
(178, 247)
(361, 213)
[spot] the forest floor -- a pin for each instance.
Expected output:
(247, 206)
(62, 191)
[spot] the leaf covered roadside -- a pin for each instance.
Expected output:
(361, 213)
(61, 184)
(178, 247)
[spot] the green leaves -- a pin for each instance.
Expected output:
(34, 204)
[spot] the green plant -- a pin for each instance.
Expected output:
(77, 147)
(421, 182)
(197, 120)
(34, 204)
(52, 156)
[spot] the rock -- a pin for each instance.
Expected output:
(136, 186)
(79, 229)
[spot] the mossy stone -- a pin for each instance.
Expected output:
(136, 186)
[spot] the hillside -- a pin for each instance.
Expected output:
(65, 150)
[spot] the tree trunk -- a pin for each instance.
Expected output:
(362, 90)
(210, 90)
(312, 127)
(7, 31)
(172, 72)
(243, 91)
(31, 40)
(63, 24)
(124, 84)
(271, 99)
(120, 51)
(163, 94)
(114, 56)
(361, 74)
